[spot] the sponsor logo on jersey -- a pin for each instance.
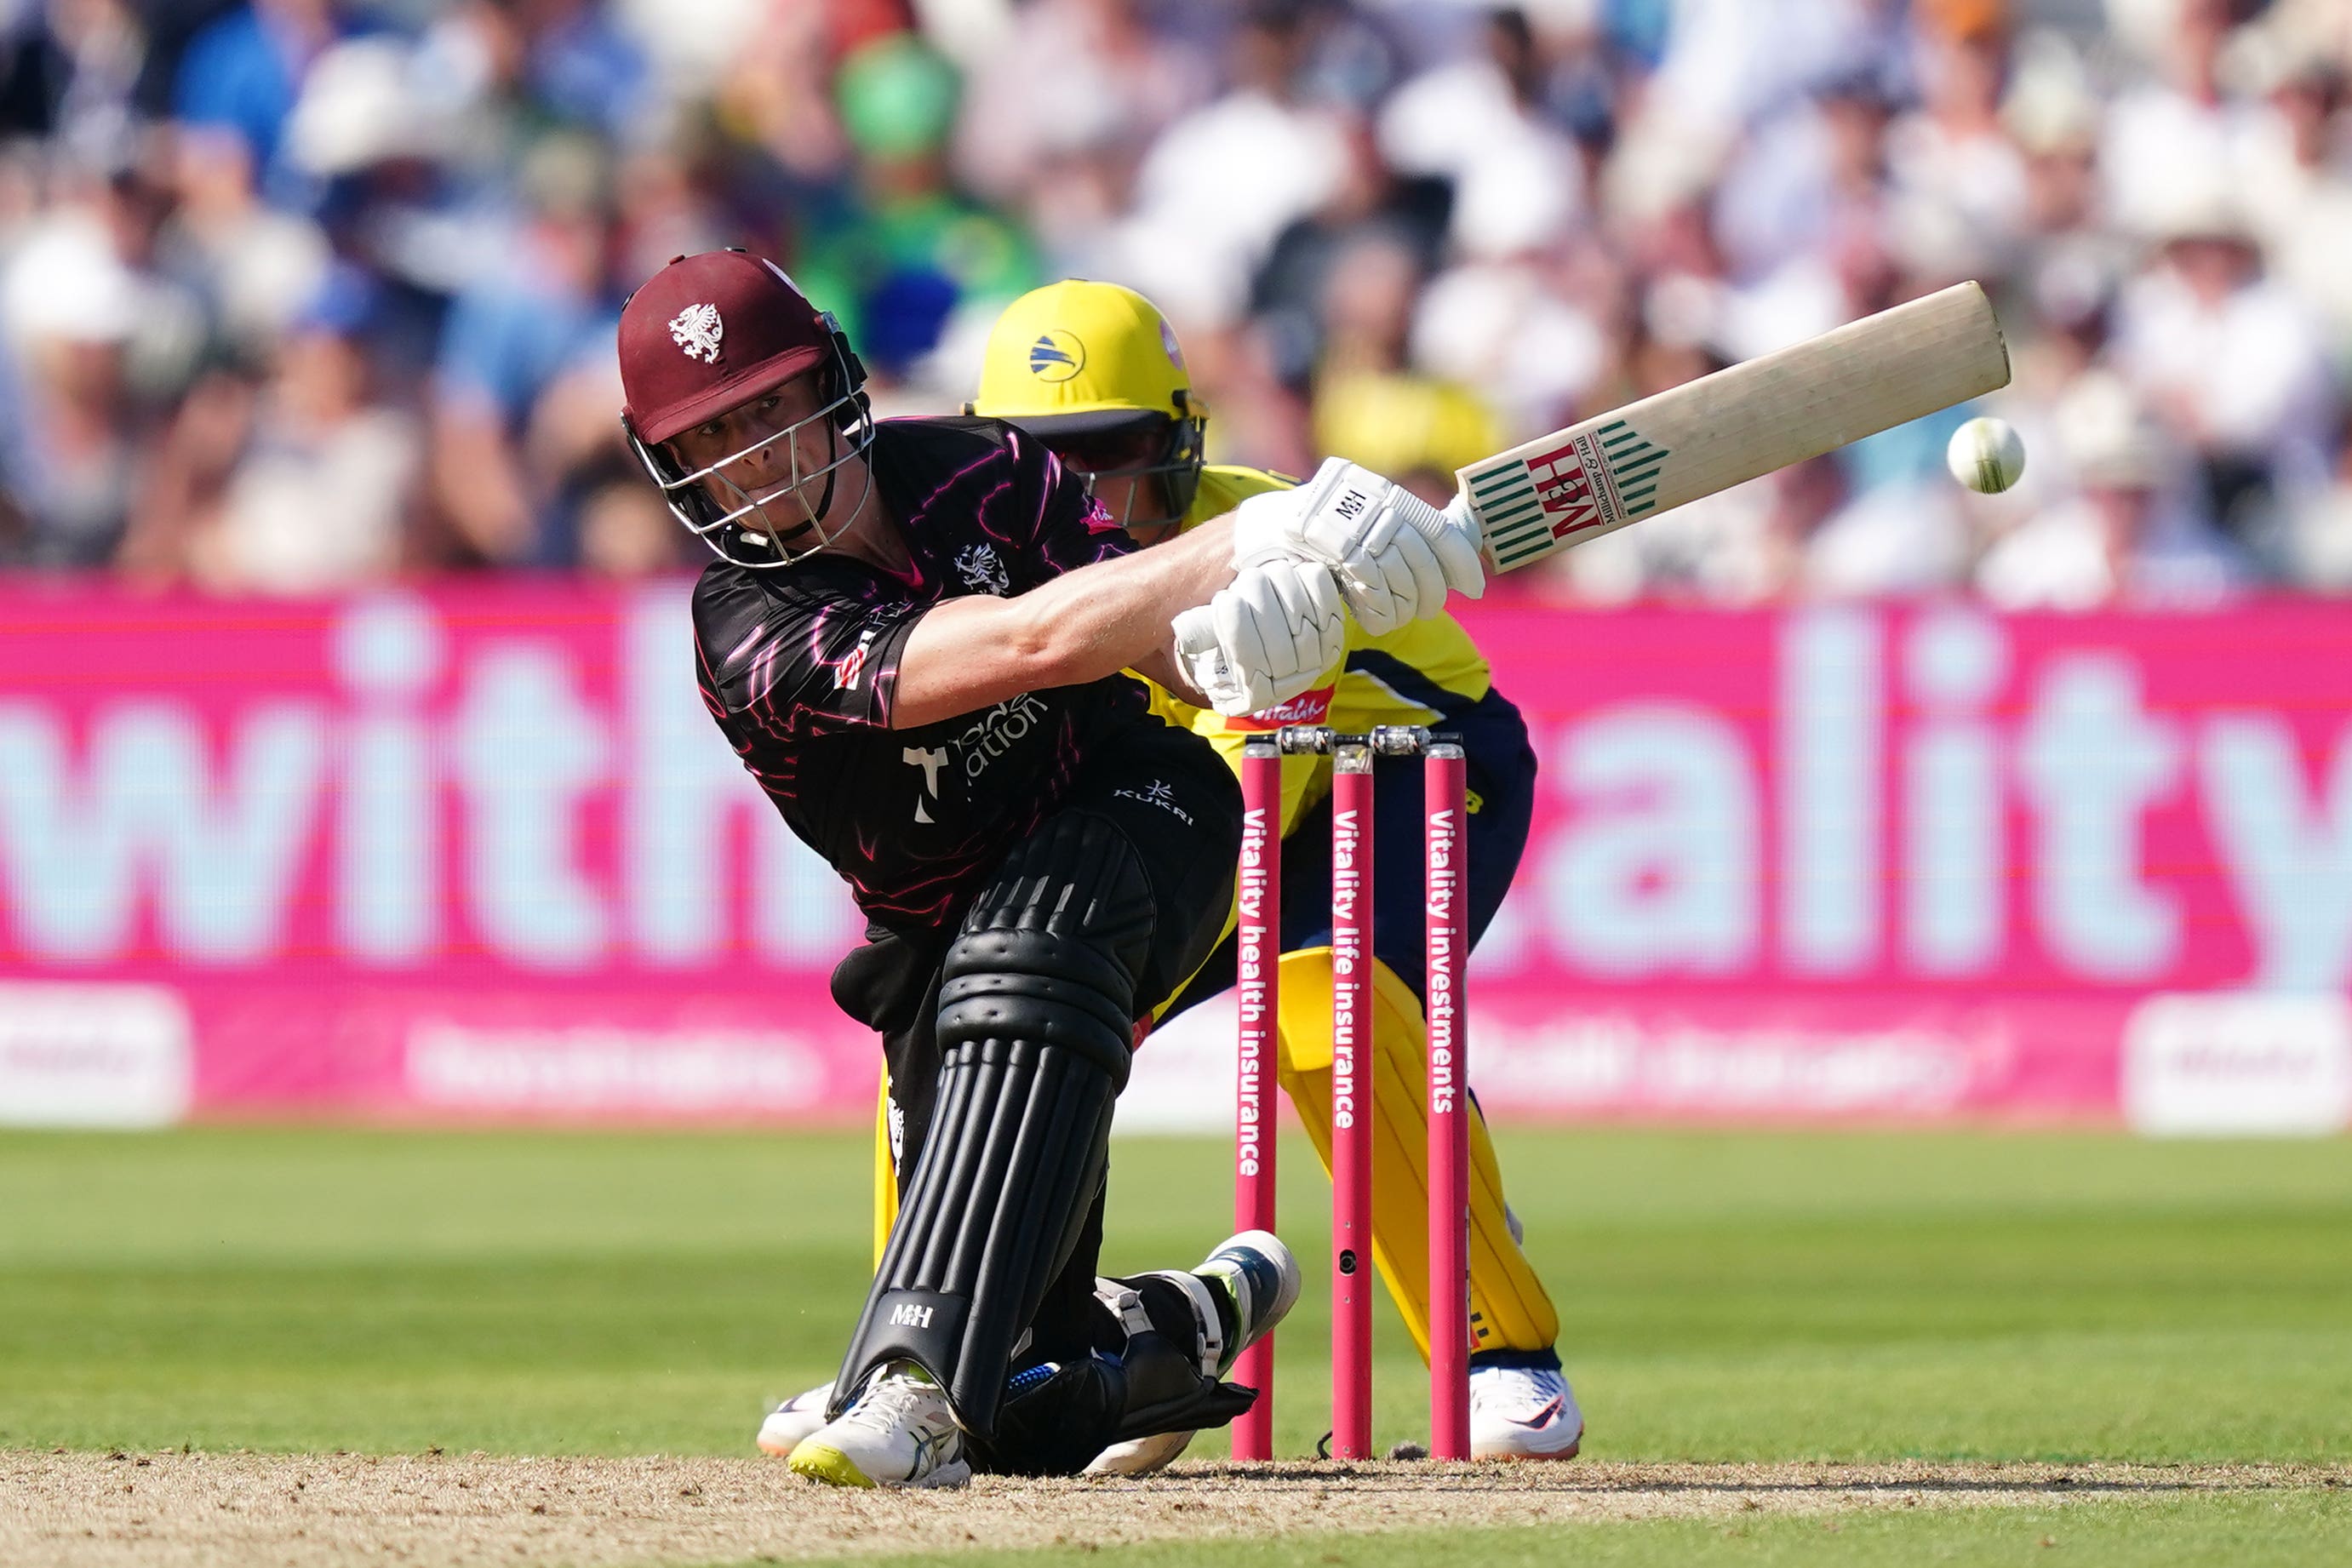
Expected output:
(1307, 708)
(997, 731)
(1056, 356)
(696, 330)
(930, 758)
(1158, 793)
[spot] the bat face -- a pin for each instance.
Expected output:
(1575, 485)
(1592, 481)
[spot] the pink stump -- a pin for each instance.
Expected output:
(1259, 949)
(1351, 1102)
(1444, 805)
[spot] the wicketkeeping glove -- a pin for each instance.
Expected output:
(1395, 555)
(1266, 637)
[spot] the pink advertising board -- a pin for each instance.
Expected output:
(475, 852)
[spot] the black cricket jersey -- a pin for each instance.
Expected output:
(799, 665)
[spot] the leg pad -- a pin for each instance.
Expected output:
(1036, 1012)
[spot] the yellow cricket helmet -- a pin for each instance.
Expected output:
(1093, 370)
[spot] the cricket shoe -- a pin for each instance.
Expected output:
(1523, 1413)
(796, 1418)
(898, 1433)
(1249, 1283)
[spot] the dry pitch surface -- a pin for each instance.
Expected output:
(192, 1510)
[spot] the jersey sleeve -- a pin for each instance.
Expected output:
(780, 661)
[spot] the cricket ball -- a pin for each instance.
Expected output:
(1985, 456)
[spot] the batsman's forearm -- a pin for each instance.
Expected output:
(1165, 670)
(970, 652)
(1110, 616)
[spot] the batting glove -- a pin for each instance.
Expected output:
(1266, 637)
(1395, 555)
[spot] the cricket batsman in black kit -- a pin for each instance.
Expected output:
(913, 636)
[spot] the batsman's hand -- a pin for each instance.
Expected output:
(1266, 637)
(1395, 556)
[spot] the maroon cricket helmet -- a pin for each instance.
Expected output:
(709, 331)
(707, 334)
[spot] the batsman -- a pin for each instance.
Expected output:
(915, 638)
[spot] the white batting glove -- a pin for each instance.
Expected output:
(1394, 554)
(1266, 637)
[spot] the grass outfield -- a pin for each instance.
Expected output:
(2302, 1529)
(1744, 1297)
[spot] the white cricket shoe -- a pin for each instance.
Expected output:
(795, 1419)
(898, 1434)
(1260, 1281)
(1523, 1413)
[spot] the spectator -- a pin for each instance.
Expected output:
(1518, 184)
(625, 532)
(1734, 63)
(1516, 329)
(1957, 181)
(1816, 172)
(2180, 124)
(71, 310)
(67, 75)
(1901, 540)
(1223, 182)
(2298, 194)
(1066, 158)
(2319, 543)
(252, 264)
(544, 313)
(908, 257)
(582, 69)
(300, 484)
(2126, 537)
(1372, 409)
(2231, 362)
(1292, 294)
(244, 71)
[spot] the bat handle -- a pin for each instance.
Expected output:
(1457, 514)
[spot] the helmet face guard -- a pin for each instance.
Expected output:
(1177, 467)
(741, 529)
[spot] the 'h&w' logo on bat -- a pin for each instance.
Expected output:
(1574, 489)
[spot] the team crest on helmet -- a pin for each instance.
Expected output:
(981, 569)
(1056, 356)
(696, 330)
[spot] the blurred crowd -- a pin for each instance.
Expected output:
(297, 293)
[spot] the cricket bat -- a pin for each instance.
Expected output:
(1574, 485)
